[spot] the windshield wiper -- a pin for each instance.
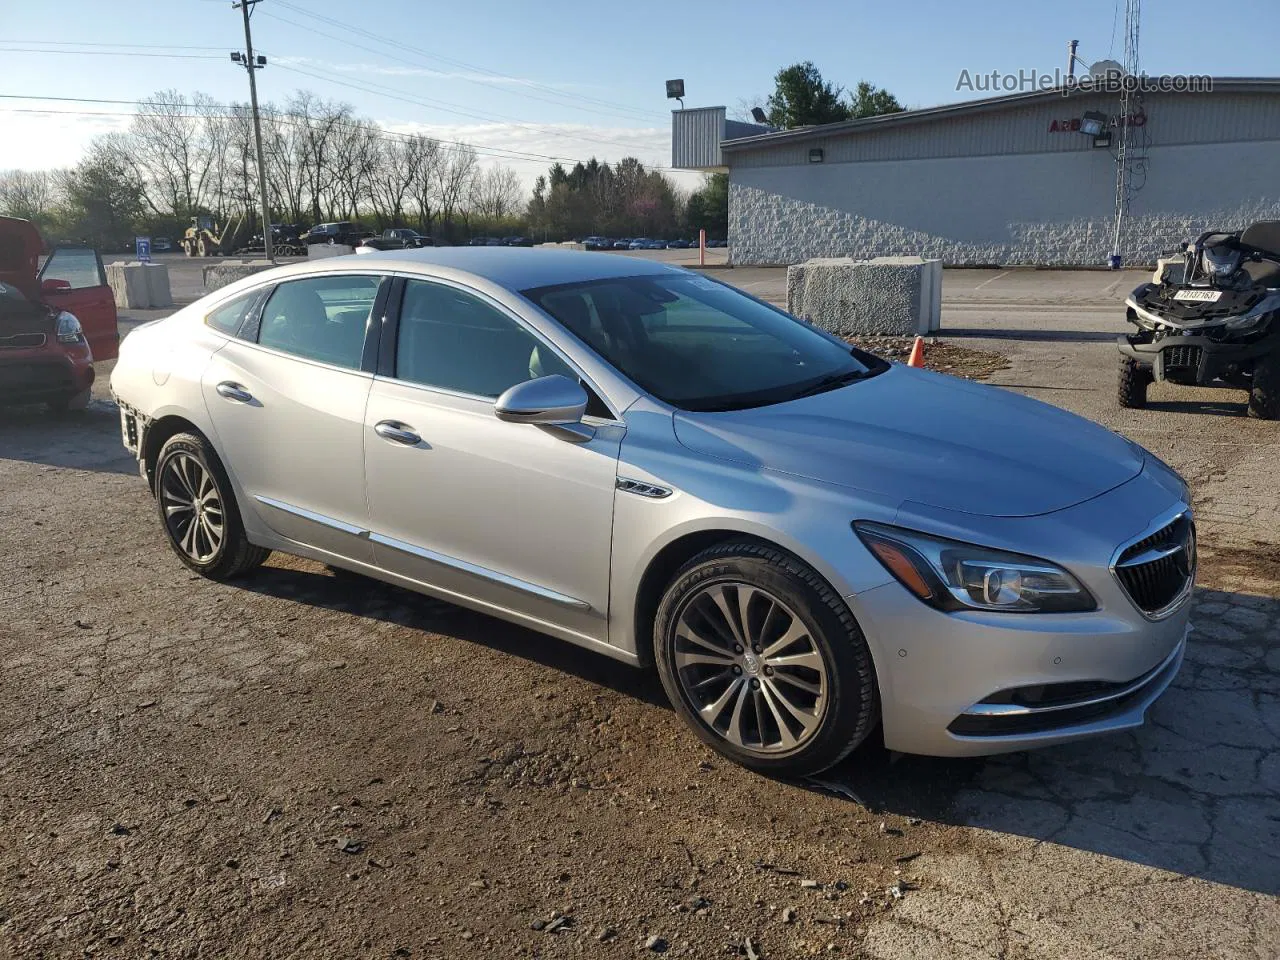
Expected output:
(830, 382)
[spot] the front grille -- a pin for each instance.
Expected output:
(19, 341)
(1187, 358)
(1158, 569)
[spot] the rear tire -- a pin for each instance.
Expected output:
(737, 697)
(1264, 396)
(1134, 380)
(192, 490)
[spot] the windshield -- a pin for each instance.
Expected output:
(702, 345)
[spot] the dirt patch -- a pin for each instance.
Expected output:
(1251, 568)
(939, 355)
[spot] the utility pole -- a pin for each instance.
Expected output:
(1128, 97)
(1072, 47)
(251, 64)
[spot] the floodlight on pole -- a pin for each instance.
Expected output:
(675, 91)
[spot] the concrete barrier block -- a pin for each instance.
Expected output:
(128, 283)
(158, 291)
(229, 271)
(886, 296)
(321, 251)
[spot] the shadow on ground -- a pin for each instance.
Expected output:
(1065, 336)
(73, 440)
(1195, 792)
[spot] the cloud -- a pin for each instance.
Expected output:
(378, 69)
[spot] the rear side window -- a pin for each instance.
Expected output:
(320, 318)
(231, 314)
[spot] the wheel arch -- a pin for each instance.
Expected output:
(676, 552)
(157, 434)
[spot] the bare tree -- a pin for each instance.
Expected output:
(496, 193)
(454, 173)
(428, 155)
(27, 194)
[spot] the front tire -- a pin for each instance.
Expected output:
(1134, 380)
(1264, 395)
(198, 510)
(764, 661)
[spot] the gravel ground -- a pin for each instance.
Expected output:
(304, 765)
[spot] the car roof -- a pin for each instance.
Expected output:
(515, 268)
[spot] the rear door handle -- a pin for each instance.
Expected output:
(233, 391)
(397, 432)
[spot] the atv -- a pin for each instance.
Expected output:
(1210, 318)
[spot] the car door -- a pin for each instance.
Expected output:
(287, 395)
(509, 516)
(72, 279)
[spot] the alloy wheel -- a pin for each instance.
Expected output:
(193, 512)
(750, 668)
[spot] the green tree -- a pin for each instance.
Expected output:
(801, 97)
(104, 199)
(708, 207)
(868, 100)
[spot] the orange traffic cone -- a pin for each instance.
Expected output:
(917, 353)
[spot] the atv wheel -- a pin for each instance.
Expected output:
(1264, 396)
(1134, 380)
(201, 248)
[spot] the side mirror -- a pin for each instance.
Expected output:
(554, 400)
(54, 286)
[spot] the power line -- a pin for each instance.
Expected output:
(93, 43)
(382, 90)
(419, 51)
(114, 53)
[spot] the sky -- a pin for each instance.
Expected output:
(526, 82)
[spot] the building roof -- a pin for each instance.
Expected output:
(970, 107)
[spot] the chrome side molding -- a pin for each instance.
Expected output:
(314, 517)
(474, 569)
(479, 571)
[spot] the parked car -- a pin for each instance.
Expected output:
(54, 321)
(779, 524)
(398, 238)
(622, 244)
(597, 243)
(678, 244)
(344, 231)
(517, 242)
(1211, 319)
(161, 245)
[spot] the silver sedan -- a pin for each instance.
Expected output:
(810, 545)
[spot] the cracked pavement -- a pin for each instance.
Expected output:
(304, 765)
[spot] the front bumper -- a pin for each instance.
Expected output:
(972, 683)
(1196, 359)
(49, 373)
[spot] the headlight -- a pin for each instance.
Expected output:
(1220, 261)
(952, 575)
(68, 330)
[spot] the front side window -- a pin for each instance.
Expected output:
(77, 266)
(320, 318)
(453, 340)
(701, 345)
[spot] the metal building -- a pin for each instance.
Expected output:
(1014, 179)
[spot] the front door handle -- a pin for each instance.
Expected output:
(397, 432)
(233, 391)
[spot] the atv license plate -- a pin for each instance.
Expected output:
(1199, 296)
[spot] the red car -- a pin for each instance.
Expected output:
(54, 321)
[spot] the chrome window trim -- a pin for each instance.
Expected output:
(483, 572)
(1156, 525)
(1020, 710)
(519, 320)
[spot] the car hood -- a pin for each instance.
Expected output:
(20, 247)
(928, 438)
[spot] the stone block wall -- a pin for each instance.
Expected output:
(1031, 209)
